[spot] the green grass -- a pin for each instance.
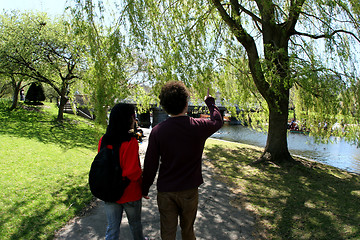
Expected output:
(306, 201)
(44, 167)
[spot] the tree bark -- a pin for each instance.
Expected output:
(16, 87)
(276, 149)
(63, 101)
(15, 99)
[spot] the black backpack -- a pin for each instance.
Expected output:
(105, 176)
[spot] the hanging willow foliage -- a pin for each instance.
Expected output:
(115, 66)
(261, 56)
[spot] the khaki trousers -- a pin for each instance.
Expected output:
(173, 205)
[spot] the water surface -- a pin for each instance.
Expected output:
(339, 154)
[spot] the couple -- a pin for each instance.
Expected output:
(175, 148)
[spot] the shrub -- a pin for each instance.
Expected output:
(35, 94)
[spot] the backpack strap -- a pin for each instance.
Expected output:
(115, 150)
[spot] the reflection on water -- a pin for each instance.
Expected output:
(338, 154)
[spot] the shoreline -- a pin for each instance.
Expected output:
(294, 155)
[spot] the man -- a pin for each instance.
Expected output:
(177, 144)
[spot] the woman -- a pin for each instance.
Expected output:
(120, 132)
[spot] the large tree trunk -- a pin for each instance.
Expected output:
(63, 101)
(60, 116)
(276, 149)
(16, 88)
(15, 99)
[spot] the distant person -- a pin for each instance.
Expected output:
(138, 131)
(176, 145)
(22, 95)
(120, 131)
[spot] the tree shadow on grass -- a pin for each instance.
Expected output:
(48, 214)
(305, 201)
(35, 124)
(38, 214)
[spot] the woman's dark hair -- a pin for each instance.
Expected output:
(174, 97)
(121, 117)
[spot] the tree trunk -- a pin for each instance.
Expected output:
(16, 87)
(63, 101)
(15, 100)
(276, 149)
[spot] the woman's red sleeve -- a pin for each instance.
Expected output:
(129, 160)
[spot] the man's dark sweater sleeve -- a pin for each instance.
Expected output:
(215, 115)
(151, 164)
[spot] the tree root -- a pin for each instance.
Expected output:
(268, 158)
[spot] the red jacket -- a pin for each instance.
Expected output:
(130, 164)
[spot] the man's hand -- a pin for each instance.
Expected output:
(208, 95)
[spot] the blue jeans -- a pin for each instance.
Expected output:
(114, 213)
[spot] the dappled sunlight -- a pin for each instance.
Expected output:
(305, 201)
(42, 211)
(35, 124)
(49, 163)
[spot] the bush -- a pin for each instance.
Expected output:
(35, 94)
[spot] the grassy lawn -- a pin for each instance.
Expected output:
(308, 201)
(44, 167)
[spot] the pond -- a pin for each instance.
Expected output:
(339, 154)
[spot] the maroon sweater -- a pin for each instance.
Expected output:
(177, 144)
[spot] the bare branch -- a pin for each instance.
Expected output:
(238, 7)
(249, 44)
(316, 17)
(329, 35)
(295, 10)
(237, 29)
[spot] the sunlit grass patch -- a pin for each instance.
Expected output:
(44, 169)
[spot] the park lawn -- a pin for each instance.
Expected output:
(44, 169)
(306, 201)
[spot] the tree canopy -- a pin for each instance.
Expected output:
(36, 47)
(115, 64)
(262, 55)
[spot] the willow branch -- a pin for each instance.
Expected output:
(329, 35)
(294, 15)
(238, 7)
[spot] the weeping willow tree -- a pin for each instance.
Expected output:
(260, 55)
(114, 64)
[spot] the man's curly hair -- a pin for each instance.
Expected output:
(174, 97)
